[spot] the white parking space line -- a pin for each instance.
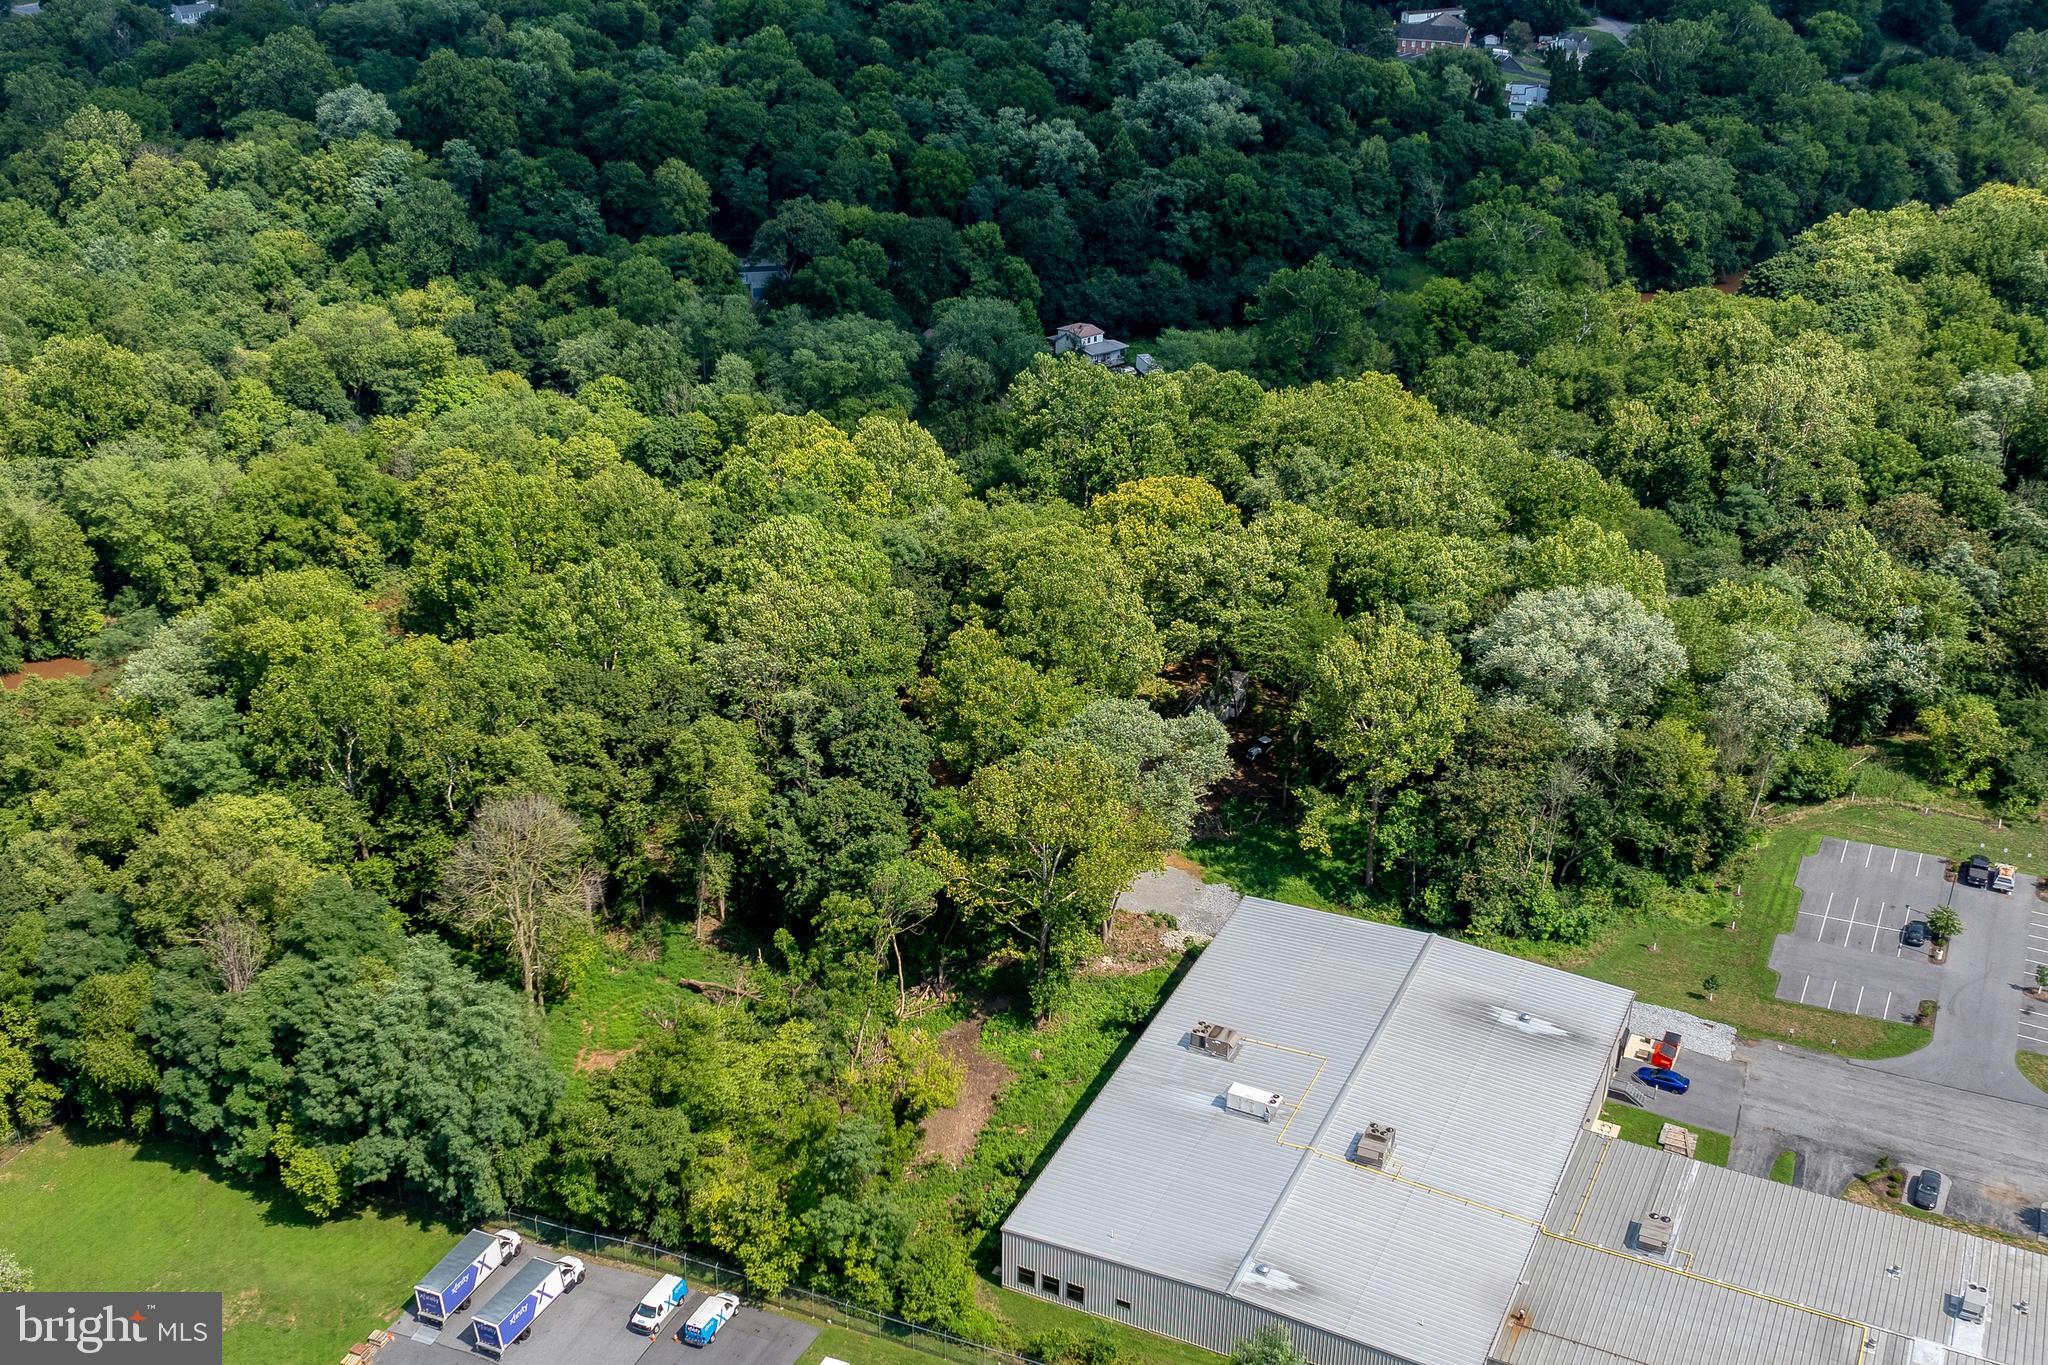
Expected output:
(1872, 853)
(1859, 1001)
(1895, 860)
(1845, 854)
(1831, 993)
(1802, 987)
(1918, 858)
(1888, 1004)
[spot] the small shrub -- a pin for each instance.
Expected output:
(1817, 770)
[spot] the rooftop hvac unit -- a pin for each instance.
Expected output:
(1976, 1298)
(1216, 1040)
(1249, 1099)
(1375, 1146)
(1653, 1234)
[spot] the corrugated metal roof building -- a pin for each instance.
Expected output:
(1757, 1271)
(1166, 1210)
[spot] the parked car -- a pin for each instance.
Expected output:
(1663, 1078)
(1975, 872)
(1914, 935)
(712, 1314)
(1925, 1191)
(668, 1291)
(2002, 877)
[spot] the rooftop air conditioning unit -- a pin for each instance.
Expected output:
(1216, 1040)
(1375, 1146)
(1249, 1099)
(1653, 1234)
(1976, 1298)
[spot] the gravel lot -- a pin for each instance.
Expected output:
(1702, 1036)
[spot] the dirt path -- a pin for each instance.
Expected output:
(949, 1134)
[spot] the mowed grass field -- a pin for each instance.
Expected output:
(86, 1213)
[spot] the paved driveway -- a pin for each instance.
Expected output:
(1714, 1102)
(1842, 1115)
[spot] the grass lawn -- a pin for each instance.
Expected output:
(1785, 1167)
(1642, 1126)
(1261, 855)
(82, 1213)
(845, 1344)
(2034, 1066)
(623, 994)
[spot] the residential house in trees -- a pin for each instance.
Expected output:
(1089, 342)
(1576, 46)
(1426, 30)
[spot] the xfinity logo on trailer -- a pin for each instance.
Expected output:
(164, 1329)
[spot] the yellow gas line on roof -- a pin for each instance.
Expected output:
(1863, 1331)
(1587, 1197)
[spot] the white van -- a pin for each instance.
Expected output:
(661, 1300)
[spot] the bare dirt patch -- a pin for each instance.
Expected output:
(950, 1133)
(1138, 943)
(601, 1059)
(49, 669)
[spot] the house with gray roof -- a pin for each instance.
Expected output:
(1420, 31)
(1088, 341)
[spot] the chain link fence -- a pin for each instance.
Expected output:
(800, 1302)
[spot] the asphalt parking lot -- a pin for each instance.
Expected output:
(587, 1326)
(1844, 952)
(2033, 1034)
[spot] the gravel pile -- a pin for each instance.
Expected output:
(1198, 907)
(1703, 1036)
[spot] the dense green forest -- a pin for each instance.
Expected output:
(481, 585)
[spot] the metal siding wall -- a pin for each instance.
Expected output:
(1169, 1308)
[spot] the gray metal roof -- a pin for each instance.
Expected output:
(1757, 1271)
(1486, 1065)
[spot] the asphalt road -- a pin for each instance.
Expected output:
(1841, 1116)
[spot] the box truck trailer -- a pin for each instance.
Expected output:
(513, 1310)
(449, 1284)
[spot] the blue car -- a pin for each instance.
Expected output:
(1663, 1078)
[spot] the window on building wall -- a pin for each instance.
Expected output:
(1026, 1278)
(1049, 1284)
(1075, 1292)
(1124, 1304)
